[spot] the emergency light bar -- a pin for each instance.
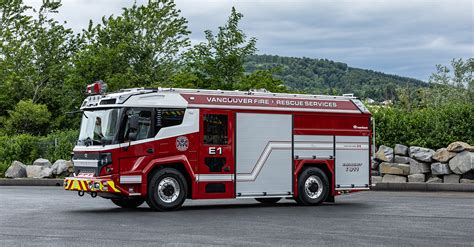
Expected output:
(98, 87)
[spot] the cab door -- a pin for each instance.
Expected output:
(216, 166)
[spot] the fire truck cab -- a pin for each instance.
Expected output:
(163, 146)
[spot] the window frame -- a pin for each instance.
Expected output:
(121, 137)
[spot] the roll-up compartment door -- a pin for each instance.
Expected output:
(352, 162)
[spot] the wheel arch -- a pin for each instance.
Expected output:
(180, 163)
(327, 166)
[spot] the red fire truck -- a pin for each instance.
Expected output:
(163, 146)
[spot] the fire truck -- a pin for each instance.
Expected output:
(164, 146)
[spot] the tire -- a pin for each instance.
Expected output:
(313, 187)
(268, 201)
(131, 202)
(167, 190)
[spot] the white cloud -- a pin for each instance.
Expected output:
(405, 37)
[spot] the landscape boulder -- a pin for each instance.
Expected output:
(401, 159)
(374, 165)
(35, 171)
(16, 170)
(394, 168)
(467, 181)
(440, 169)
(62, 167)
(434, 180)
(42, 162)
(401, 150)
(389, 178)
(459, 147)
(421, 154)
(451, 179)
(417, 167)
(384, 154)
(443, 155)
(376, 179)
(463, 162)
(417, 178)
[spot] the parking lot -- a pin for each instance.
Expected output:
(50, 216)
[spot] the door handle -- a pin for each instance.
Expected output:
(150, 150)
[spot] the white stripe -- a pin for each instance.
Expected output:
(214, 177)
(136, 179)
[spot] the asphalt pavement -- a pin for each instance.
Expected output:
(50, 216)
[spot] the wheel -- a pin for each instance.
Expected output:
(167, 190)
(130, 202)
(269, 201)
(313, 187)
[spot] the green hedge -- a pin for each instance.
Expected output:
(26, 148)
(426, 127)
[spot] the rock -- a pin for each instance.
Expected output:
(451, 179)
(42, 162)
(462, 162)
(35, 171)
(385, 154)
(374, 173)
(416, 178)
(376, 179)
(389, 178)
(394, 168)
(401, 150)
(421, 154)
(467, 181)
(468, 175)
(459, 147)
(440, 169)
(443, 155)
(434, 180)
(61, 167)
(16, 170)
(374, 165)
(401, 159)
(417, 167)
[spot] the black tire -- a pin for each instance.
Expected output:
(131, 202)
(312, 195)
(269, 200)
(172, 182)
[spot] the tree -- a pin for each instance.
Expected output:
(219, 61)
(35, 54)
(138, 48)
(28, 118)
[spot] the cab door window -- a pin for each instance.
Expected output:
(145, 126)
(215, 129)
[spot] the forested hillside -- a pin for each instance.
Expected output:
(325, 76)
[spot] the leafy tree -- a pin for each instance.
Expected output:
(262, 79)
(137, 48)
(28, 118)
(35, 55)
(219, 61)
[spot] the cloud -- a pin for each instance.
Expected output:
(402, 37)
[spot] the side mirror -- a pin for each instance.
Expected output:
(132, 136)
(132, 127)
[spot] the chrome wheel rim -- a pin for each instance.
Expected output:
(168, 190)
(313, 187)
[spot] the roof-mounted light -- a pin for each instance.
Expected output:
(98, 87)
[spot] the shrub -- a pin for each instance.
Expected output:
(28, 118)
(429, 127)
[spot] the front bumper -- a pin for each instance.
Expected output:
(90, 185)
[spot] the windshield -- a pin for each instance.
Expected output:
(99, 127)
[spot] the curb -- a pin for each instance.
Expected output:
(423, 187)
(31, 182)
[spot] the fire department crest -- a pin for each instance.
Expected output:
(182, 143)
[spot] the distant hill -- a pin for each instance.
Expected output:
(323, 76)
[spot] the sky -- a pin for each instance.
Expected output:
(403, 37)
